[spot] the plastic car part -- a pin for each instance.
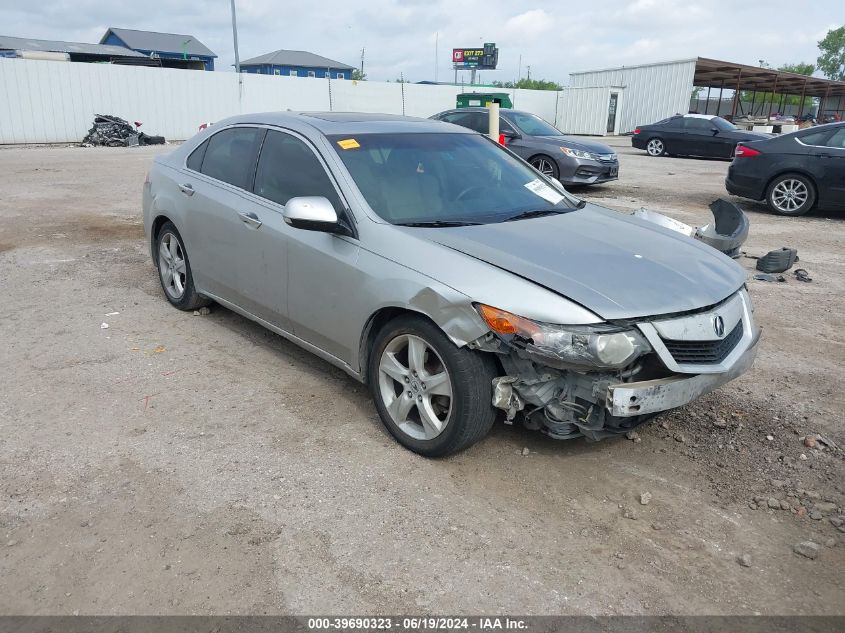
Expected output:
(726, 233)
(729, 229)
(777, 261)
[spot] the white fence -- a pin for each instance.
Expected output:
(55, 102)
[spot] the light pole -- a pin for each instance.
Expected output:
(235, 38)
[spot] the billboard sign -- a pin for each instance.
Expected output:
(485, 58)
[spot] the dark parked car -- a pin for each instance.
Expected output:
(793, 172)
(572, 161)
(692, 135)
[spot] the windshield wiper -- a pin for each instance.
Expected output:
(438, 223)
(536, 214)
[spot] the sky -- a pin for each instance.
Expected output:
(415, 37)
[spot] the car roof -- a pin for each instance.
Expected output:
(329, 123)
(700, 116)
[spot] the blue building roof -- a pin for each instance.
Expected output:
(298, 59)
(159, 42)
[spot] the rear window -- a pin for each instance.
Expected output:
(231, 156)
(815, 138)
(195, 159)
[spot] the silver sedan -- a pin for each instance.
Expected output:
(443, 271)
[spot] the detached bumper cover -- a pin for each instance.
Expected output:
(653, 396)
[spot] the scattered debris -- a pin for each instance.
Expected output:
(773, 503)
(11, 543)
(720, 423)
(821, 439)
(837, 521)
(807, 549)
(525, 451)
(629, 513)
(203, 311)
(112, 131)
(770, 437)
(159, 349)
(744, 560)
(104, 326)
(680, 437)
(634, 437)
(645, 498)
(112, 313)
(809, 441)
(768, 277)
(825, 507)
(777, 261)
(801, 274)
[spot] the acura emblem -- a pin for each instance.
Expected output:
(719, 326)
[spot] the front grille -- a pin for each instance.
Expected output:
(704, 352)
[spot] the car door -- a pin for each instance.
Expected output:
(321, 275)
(698, 137)
(672, 133)
(831, 167)
(239, 248)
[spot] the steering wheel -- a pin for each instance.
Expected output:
(466, 191)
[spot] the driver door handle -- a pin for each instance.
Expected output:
(250, 219)
(187, 189)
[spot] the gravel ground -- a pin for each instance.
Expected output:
(180, 464)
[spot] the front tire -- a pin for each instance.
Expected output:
(174, 270)
(545, 166)
(655, 147)
(433, 397)
(791, 194)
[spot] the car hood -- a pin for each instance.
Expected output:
(618, 266)
(576, 143)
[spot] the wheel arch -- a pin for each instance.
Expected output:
(374, 324)
(159, 221)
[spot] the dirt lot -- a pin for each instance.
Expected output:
(182, 464)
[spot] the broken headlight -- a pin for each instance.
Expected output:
(588, 346)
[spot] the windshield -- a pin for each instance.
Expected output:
(532, 125)
(445, 178)
(721, 124)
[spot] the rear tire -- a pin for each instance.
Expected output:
(174, 270)
(655, 147)
(435, 398)
(791, 194)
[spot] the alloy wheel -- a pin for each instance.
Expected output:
(655, 147)
(544, 166)
(789, 195)
(415, 387)
(171, 265)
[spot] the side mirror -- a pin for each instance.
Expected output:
(510, 134)
(715, 130)
(314, 213)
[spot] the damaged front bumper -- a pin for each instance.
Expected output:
(653, 396)
(568, 402)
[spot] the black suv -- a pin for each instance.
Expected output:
(792, 172)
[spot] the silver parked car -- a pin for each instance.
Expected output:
(445, 273)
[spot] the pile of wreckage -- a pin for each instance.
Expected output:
(112, 131)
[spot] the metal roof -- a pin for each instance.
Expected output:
(714, 73)
(161, 42)
(296, 58)
(81, 48)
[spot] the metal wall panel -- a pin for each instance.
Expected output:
(55, 102)
(584, 110)
(651, 92)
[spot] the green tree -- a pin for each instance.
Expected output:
(529, 84)
(831, 61)
(357, 75)
(799, 68)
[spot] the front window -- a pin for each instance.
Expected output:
(532, 125)
(435, 178)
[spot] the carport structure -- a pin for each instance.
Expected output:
(713, 73)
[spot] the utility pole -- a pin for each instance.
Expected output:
(235, 38)
(362, 62)
(528, 70)
(436, 55)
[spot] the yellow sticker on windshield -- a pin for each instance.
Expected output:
(349, 143)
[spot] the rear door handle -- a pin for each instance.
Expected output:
(187, 189)
(250, 218)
